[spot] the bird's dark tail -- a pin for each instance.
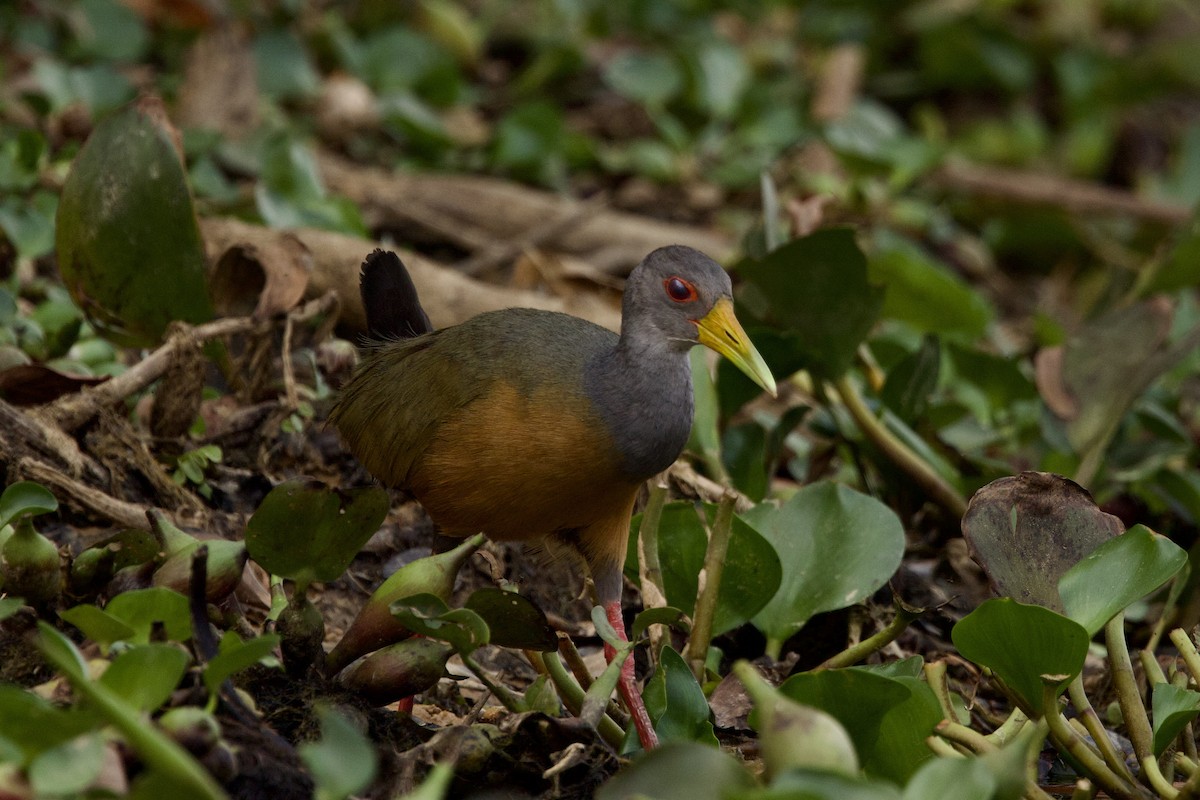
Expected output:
(390, 299)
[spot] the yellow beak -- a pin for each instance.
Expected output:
(720, 331)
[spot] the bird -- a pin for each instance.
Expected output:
(538, 426)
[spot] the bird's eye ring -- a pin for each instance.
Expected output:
(679, 290)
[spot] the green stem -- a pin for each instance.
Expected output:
(900, 454)
(967, 737)
(506, 696)
(1084, 790)
(1095, 728)
(1128, 696)
(856, 653)
(706, 603)
(648, 536)
(1187, 651)
(572, 695)
(935, 677)
(1158, 782)
(942, 748)
(1067, 740)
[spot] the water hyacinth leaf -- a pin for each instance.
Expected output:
(646, 77)
(1020, 643)
(816, 290)
(1027, 531)
(1117, 573)
(140, 609)
(342, 762)
(819, 785)
(1173, 708)
(663, 615)
(888, 719)
(69, 767)
(836, 547)
(924, 292)
(25, 498)
(679, 769)
(912, 381)
(98, 625)
(336, 525)
(514, 621)
(428, 615)
(145, 675)
(127, 239)
(34, 724)
(677, 704)
(752, 569)
(236, 656)
(960, 778)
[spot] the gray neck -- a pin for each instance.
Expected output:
(642, 389)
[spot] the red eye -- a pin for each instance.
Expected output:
(679, 290)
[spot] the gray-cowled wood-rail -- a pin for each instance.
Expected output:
(531, 425)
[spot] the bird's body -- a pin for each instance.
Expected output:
(532, 425)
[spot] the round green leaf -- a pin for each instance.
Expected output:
(1116, 574)
(127, 238)
(144, 676)
(960, 778)
(25, 497)
(514, 621)
(68, 768)
(647, 77)
(679, 769)
(1020, 643)
(836, 546)
(676, 703)
(815, 288)
(1173, 708)
(140, 609)
(335, 525)
(343, 762)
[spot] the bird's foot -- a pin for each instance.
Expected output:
(626, 686)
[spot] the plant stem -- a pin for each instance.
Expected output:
(1157, 780)
(967, 737)
(1084, 790)
(706, 603)
(572, 695)
(1128, 696)
(942, 748)
(900, 454)
(1187, 651)
(882, 638)
(1015, 723)
(507, 698)
(1066, 739)
(1095, 728)
(935, 677)
(650, 567)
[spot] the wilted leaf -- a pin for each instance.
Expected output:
(127, 239)
(1027, 531)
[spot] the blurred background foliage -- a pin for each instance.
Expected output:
(963, 140)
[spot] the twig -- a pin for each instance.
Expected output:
(563, 220)
(1040, 188)
(706, 603)
(27, 431)
(129, 515)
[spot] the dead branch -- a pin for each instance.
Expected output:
(81, 495)
(24, 432)
(478, 211)
(448, 297)
(1040, 188)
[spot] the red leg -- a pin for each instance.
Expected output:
(626, 686)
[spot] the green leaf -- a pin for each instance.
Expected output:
(237, 657)
(676, 703)
(140, 609)
(912, 380)
(33, 724)
(1173, 708)
(960, 778)
(888, 718)
(335, 526)
(69, 767)
(25, 498)
(925, 293)
(1181, 270)
(816, 291)
(127, 239)
(97, 625)
(649, 78)
(752, 569)
(513, 620)
(145, 675)
(1020, 643)
(1026, 531)
(804, 784)
(1117, 573)
(285, 70)
(428, 615)
(836, 546)
(663, 615)
(678, 769)
(343, 762)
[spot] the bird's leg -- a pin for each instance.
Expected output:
(626, 686)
